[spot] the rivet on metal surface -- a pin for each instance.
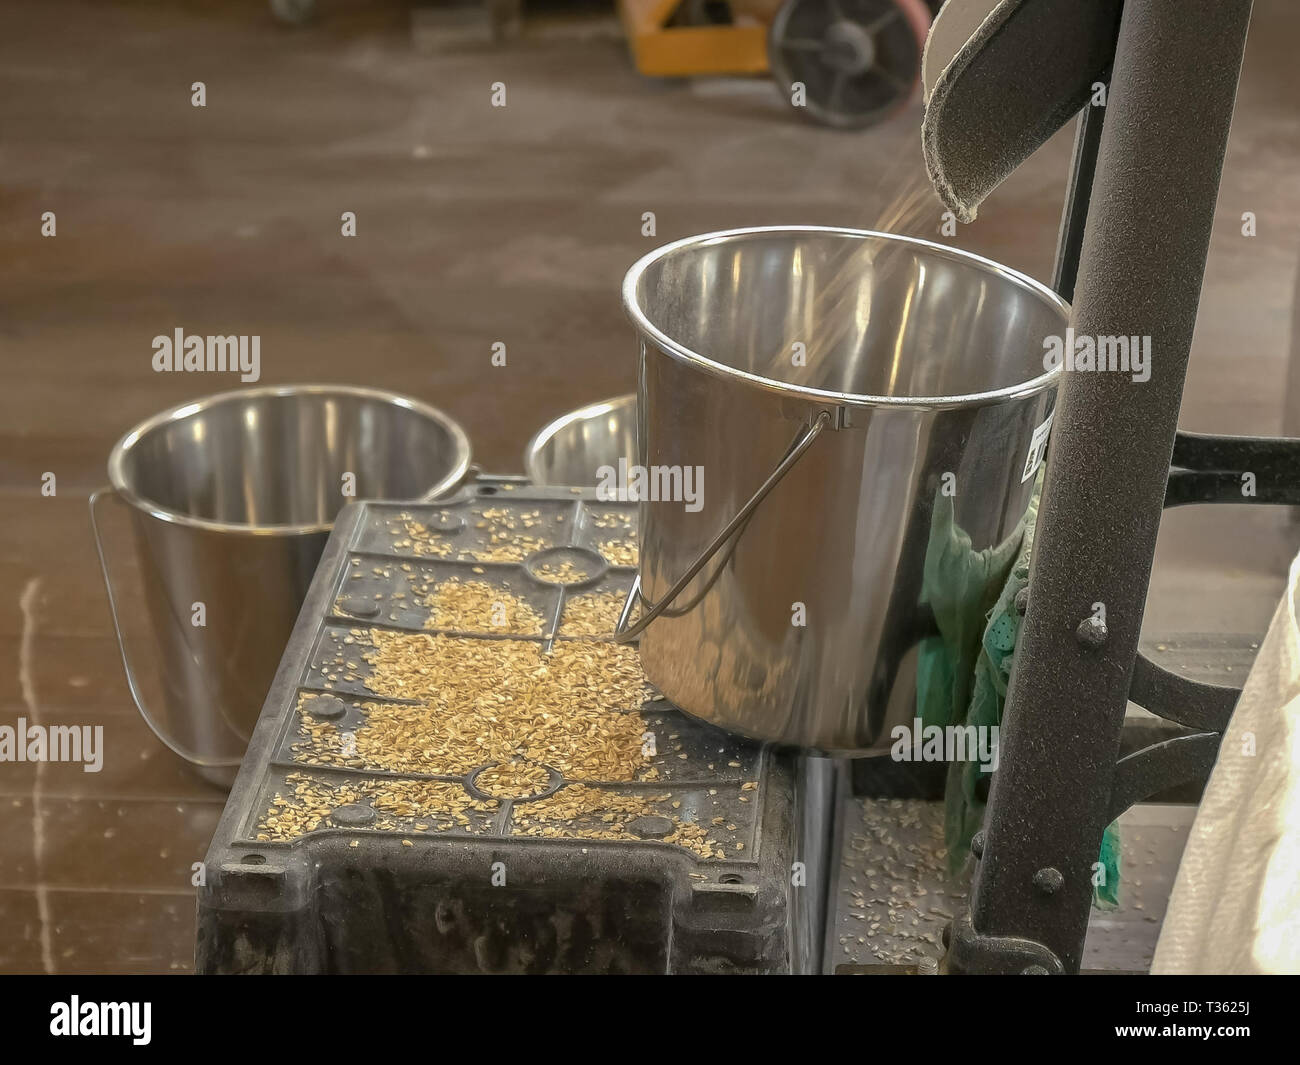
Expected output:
(977, 844)
(359, 607)
(1034, 970)
(1048, 880)
(839, 418)
(352, 815)
(651, 826)
(1022, 600)
(1091, 632)
(325, 707)
(446, 521)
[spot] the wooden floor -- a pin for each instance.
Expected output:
(474, 225)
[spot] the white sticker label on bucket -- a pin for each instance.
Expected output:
(1037, 447)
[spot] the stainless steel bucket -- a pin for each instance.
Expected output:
(231, 499)
(788, 603)
(572, 449)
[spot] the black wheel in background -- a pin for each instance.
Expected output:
(859, 60)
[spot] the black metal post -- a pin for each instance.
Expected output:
(1170, 105)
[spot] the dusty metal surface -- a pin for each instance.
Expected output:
(894, 892)
(456, 770)
(1152, 838)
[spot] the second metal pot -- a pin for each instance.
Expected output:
(572, 449)
(232, 498)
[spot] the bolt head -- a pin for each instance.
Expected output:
(651, 826)
(1091, 632)
(1048, 880)
(1022, 600)
(359, 607)
(325, 707)
(353, 815)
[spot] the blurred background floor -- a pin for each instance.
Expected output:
(475, 225)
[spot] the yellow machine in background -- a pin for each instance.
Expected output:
(846, 63)
(663, 48)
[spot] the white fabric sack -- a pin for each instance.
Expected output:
(1235, 906)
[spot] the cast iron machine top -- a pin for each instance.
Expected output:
(456, 770)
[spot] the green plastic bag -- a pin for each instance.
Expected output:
(963, 672)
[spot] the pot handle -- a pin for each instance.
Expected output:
(136, 696)
(802, 442)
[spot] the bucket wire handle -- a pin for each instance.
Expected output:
(801, 443)
(137, 695)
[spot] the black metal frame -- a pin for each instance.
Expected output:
(1138, 253)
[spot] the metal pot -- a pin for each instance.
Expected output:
(789, 601)
(571, 449)
(232, 498)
